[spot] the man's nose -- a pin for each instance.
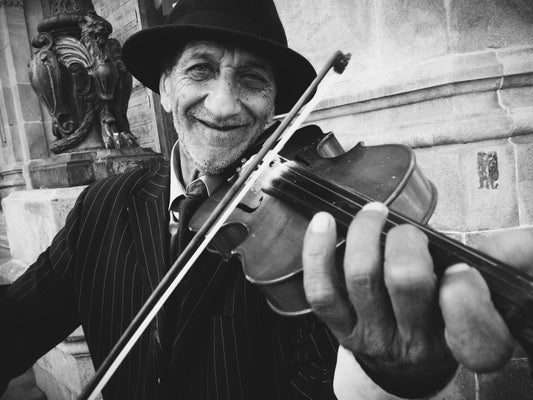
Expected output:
(223, 99)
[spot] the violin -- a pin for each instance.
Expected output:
(265, 231)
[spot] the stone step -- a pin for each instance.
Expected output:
(3, 232)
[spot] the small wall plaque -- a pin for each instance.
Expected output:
(487, 169)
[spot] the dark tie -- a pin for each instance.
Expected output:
(180, 237)
(196, 194)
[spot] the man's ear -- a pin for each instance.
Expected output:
(164, 92)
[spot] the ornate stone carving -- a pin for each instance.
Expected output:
(79, 76)
(11, 3)
(65, 6)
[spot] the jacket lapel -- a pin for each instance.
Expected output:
(149, 219)
(199, 296)
(148, 212)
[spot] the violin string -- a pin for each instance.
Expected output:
(358, 200)
(334, 194)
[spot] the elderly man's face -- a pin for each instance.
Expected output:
(221, 99)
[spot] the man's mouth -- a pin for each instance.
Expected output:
(220, 127)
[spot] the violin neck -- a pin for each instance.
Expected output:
(511, 289)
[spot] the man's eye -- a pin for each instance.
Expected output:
(201, 72)
(254, 81)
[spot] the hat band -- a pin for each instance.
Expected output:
(215, 20)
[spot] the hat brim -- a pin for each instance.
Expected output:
(146, 52)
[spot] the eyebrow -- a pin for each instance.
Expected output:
(252, 61)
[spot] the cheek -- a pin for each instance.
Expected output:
(185, 93)
(262, 105)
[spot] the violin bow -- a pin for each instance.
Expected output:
(291, 122)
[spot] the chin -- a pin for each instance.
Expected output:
(213, 161)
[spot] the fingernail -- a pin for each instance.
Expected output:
(321, 222)
(456, 268)
(376, 206)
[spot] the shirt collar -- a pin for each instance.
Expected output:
(177, 188)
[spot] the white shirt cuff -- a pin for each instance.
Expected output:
(350, 382)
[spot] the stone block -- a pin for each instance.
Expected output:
(461, 175)
(4, 34)
(62, 366)
(139, 109)
(513, 382)
(480, 24)
(411, 31)
(473, 103)
(124, 18)
(348, 26)
(33, 217)
(522, 118)
(141, 118)
(6, 157)
(15, 143)
(476, 127)
(46, 383)
(4, 76)
(16, 25)
(83, 168)
(477, 239)
(33, 13)
(11, 270)
(7, 96)
(144, 134)
(516, 60)
(30, 109)
(475, 65)
(439, 165)
(358, 36)
(524, 167)
(35, 139)
(21, 54)
(516, 97)
(11, 178)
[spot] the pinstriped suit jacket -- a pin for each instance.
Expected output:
(103, 265)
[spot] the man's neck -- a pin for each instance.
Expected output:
(188, 170)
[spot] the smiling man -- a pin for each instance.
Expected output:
(388, 330)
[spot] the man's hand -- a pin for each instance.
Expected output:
(390, 310)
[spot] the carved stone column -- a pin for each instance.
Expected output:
(78, 74)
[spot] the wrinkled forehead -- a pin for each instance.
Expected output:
(220, 52)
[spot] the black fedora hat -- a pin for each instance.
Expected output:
(251, 24)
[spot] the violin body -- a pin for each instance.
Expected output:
(266, 230)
